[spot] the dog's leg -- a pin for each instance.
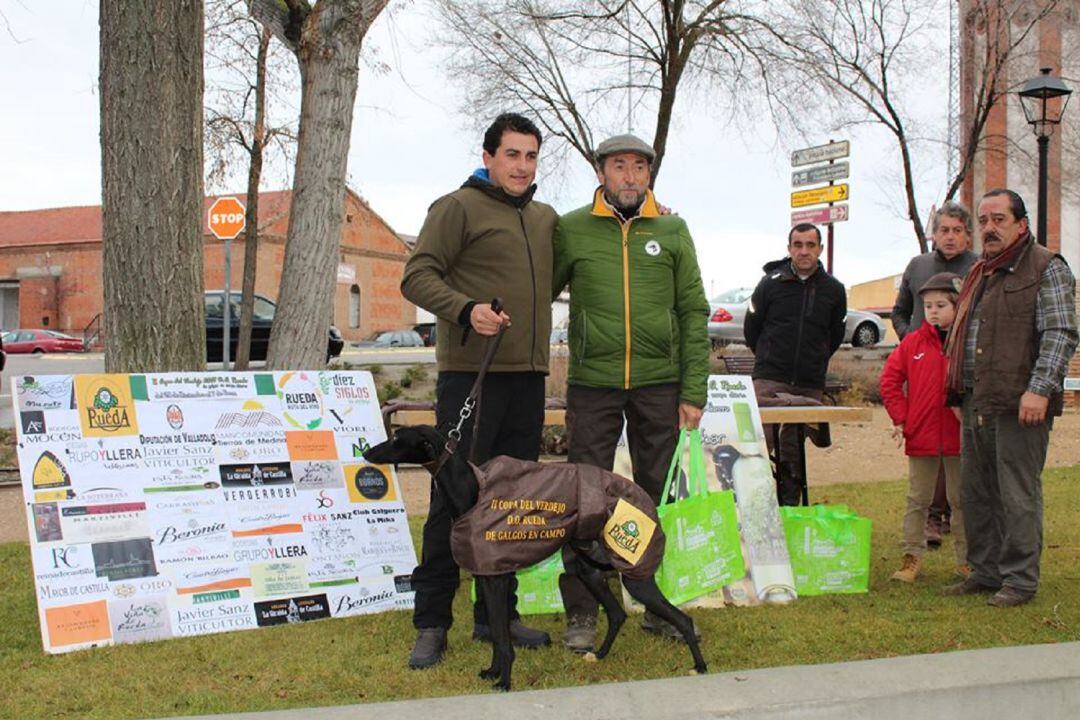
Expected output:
(647, 593)
(596, 583)
(496, 589)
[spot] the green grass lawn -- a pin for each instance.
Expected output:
(363, 659)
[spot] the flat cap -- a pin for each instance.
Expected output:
(944, 282)
(624, 144)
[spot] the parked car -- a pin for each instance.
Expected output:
(426, 332)
(41, 341)
(728, 312)
(262, 320)
(391, 339)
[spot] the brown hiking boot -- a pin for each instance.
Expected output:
(910, 567)
(967, 586)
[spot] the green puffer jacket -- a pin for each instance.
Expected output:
(638, 313)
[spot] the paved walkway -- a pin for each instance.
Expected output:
(1021, 683)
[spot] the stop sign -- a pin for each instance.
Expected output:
(226, 218)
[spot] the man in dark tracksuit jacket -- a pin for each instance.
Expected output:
(485, 240)
(794, 324)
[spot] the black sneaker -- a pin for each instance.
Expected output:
(520, 635)
(428, 649)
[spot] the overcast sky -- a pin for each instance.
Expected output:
(411, 144)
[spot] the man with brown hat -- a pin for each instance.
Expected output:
(638, 337)
(1014, 334)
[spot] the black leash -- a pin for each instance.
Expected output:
(472, 402)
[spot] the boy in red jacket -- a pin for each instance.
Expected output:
(929, 430)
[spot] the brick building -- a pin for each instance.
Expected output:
(50, 266)
(1007, 154)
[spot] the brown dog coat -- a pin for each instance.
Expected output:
(527, 510)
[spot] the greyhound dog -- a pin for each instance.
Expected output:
(424, 445)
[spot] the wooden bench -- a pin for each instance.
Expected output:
(744, 365)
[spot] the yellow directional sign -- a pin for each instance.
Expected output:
(832, 193)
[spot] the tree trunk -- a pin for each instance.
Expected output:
(251, 227)
(329, 52)
(152, 186)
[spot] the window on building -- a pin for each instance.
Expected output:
(354, 306)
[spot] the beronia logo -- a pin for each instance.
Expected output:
(628, 531)
(106, 407)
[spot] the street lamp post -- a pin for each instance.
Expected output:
(1043, 99)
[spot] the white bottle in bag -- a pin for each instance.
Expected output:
(759, 516)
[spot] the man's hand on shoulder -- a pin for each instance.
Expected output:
(689, 416)
(1033, 408)
(485, 321)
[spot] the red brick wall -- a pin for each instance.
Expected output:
(60, 285)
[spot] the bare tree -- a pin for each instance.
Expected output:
(588, 68)
(326, 38)
(863, 59)
(151, 59)
(238, 133)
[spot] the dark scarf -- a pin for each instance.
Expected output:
(970, 294)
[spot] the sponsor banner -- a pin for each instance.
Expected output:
(124, 559)
(279, 578)
(105, 405)
(371, 596)
(351, 445)
(370, 483)
(212, 617)
(66, 574)
(166, 388)
(140, 619)
(112, 521)
(54, 392)
(265, 518)
(79, 625)
(292, 610)
(169, 504)
(311, 445)
(243, 447)
(216, 578)
(317, 474)
(256, 474)
(268, 548)
(190, 528)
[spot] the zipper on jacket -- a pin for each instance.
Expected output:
(532, 275)
(798, 335)
(626, 295)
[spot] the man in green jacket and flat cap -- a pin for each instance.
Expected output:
(638, 337)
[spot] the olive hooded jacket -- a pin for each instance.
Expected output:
(638, 313)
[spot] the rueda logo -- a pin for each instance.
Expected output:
(106, 407)
(301, 400)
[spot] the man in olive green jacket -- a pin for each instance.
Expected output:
(638, 337)
(488, 239)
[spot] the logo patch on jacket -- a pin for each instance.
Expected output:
(628, 531)
(652, 248)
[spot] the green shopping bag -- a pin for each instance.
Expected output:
(538, 587)
(829, 548)
(703, 551)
